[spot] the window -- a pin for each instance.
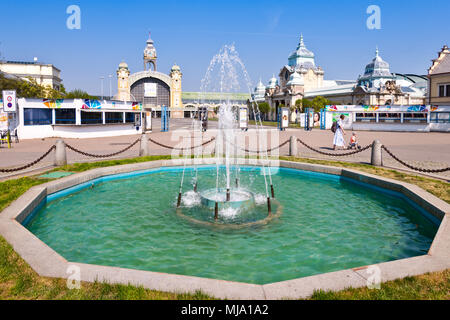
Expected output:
(91, 118)
(389, 117)
(444, 90)
(414, 117)
(440, 117)
(366, 117)
(64, 116)
(113, 117)
(37, 117)
(129, 117)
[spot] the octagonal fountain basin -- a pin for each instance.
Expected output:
(327, 223)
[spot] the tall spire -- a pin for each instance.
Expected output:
(302, 44)
(377, 52)
(149, 37)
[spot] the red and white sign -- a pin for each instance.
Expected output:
(9, 101)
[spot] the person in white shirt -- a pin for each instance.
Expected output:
(338, 140)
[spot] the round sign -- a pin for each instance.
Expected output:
(10, 105)
(9, 98)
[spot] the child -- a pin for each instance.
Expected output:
(353, 142)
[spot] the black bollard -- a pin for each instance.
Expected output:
(179, 200)
(195, 187)
(228, 195)
(273, 192)
(237, 183)
(269, 207)
(216, 211)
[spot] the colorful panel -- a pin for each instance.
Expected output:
(53, 104)
(91, 104)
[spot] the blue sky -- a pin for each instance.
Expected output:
(191, 32)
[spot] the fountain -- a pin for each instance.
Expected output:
(340, 222)
(226, 74)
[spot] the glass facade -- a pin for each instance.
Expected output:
(129, 117)
(91, 118)
(113, 117)
(440, 117)
(37, 117)
(65, 116)
(162, 92)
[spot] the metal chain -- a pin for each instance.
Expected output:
(265, 151)
(181, 149)
(105, 155)
(335, 154)
(412, 167)
(258, 152)
(31, 163)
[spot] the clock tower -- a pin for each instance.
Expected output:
(175, 93)
(123, 86)
(150, 55)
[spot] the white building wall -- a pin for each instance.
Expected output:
(44, 74)
(76, 130)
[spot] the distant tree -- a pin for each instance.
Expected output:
(79, 94)
(306, 104)
(29, 88)
(334, 103)
(264, 107)
(320, 102)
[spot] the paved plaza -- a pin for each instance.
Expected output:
(425, 150)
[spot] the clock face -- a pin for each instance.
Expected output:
(150, 53)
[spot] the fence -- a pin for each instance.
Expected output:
(60, 157)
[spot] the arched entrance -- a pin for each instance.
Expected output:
(151, 92)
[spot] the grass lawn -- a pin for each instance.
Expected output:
(19, 281)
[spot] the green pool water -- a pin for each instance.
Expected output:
(327, 224)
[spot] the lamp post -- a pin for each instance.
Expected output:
(110, 86)
(101, 81)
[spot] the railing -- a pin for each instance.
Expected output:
(376, 146)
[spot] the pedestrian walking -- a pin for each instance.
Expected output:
(338, 140)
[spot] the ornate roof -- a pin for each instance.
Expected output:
(378, 68)
(150, 51)
(260, 90)
(295, 80)
(175, 67)
(273, 82)
(123, 65)
(442, 63)
(302, 57)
